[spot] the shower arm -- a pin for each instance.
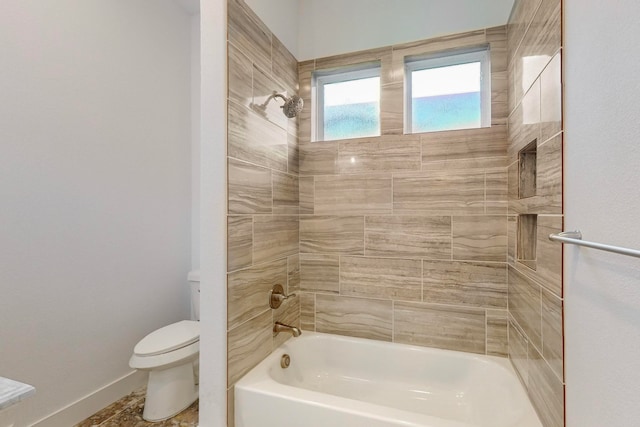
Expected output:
(278, 95)
(291, 107)
(270, 97)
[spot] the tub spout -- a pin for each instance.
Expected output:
(281, 327)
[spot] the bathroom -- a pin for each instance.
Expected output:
(72, 279)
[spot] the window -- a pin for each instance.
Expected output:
(347, 103)
(448, 92)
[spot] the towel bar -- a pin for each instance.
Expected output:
(575, 238)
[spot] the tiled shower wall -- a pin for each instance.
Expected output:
(263, 208)
(403, 238)
(535, 203)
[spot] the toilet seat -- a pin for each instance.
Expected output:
(168, 346)
(168, 338)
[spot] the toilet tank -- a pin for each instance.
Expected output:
(194, 287)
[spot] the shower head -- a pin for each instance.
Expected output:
(292, 106)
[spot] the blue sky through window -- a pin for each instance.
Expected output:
(446, 98)
(352, 109)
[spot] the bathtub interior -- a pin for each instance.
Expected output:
(430, 383)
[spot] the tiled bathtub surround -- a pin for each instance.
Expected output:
(263, 208)
(535, 285)
(404, 237)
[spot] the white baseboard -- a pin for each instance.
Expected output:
(85, 407)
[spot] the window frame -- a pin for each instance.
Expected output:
(448, 59)
(344, 74)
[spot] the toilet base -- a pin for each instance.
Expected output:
(169, 391)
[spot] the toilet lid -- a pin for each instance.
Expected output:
(169, 338)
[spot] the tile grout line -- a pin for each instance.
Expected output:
(422, 280)
(486, 332)
(393, 321)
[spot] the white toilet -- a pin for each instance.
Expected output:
(170, 354)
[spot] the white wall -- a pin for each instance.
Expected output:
(282, 17)
(94, 188)
(195, 137)
(316, 28)
(213, 211)
(602, 197)
(330, 27)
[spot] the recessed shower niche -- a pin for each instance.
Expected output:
(527, 223)
(527, 171)
(527, 236)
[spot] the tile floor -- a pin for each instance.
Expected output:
(127, 412)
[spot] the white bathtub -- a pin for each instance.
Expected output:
(336, 381)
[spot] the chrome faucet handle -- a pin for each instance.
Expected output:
(277, 296)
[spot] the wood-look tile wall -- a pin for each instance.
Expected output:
(535, 286)
(403, 238)
(263, 227)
